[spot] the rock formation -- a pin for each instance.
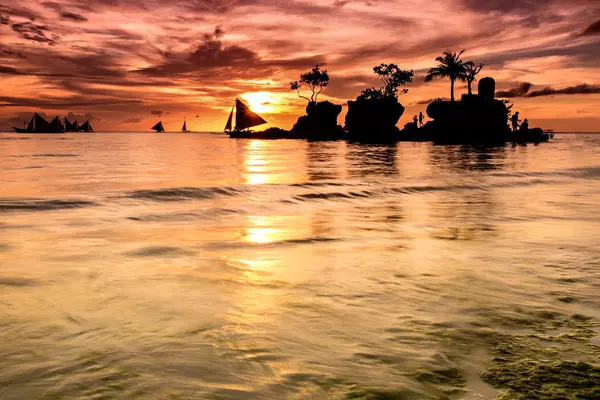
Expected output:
(319, 123)
(373, 119)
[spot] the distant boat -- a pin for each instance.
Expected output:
(244, 119)
(71, 127)
(39, 125)
(184, 128)
(159, 127)
(86, 127)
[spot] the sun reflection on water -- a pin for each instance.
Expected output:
(256, 163)
(261, 230)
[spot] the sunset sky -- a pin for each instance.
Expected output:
(127, 64)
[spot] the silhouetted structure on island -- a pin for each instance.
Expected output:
(476, 118)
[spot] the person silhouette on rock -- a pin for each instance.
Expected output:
(421, 118)
(515, 121)
(415, 120)
(525, 125)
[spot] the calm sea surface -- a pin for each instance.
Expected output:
(193, 266)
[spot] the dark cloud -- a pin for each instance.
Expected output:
(73, 17)
(579, 89)
(523, 90)
(20, 12)
(156, 112)
(9, 70)
(504, 6)
(52, 5)
(133, 120)
(519, 91)
(341, 3)
(34, 32)
(117, 33)
(593, 29)
(214, 59)
(61, 103)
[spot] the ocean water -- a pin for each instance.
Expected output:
(193, 266)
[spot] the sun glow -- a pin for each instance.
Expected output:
(260, 102)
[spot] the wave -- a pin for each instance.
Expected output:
(7, 205)
(47, 155)
(156, 251)
(581, 172)
(334, 195)
(22, 168)
(18, 282)
(215, 245)
(185, 193)
(186, 216)
(409, 190)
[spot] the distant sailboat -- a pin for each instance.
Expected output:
(56, 125)
(39, 125)
(244, 119)
(86, 127)
(159, 127)
(184, 128)
(71, 127)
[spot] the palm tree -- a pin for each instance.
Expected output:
(450, 66)
(471, 71)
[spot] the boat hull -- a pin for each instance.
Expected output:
(21, 130)
(240, 135)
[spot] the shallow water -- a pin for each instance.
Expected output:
(193, 266)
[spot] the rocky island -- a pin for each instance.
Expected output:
(373, 116)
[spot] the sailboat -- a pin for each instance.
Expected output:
(244, 119)
(71, 127)
(86, 127)
(184, 128)
(39, 125)
(159, 127)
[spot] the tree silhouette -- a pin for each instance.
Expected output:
(316, 81)
(450, 66)
(471, 71)
(392, 78)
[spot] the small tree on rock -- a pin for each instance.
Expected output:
(392, 78)
(316, 80)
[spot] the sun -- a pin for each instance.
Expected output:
(260, 102)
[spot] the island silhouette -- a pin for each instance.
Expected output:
(373, 116)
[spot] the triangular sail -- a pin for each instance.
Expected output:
(184, 129)
(56, 125)
(86, 127)
(30, 126)
(229, 120)
(40, 124)
(245, 118)
(158, 127)
(71, 126)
